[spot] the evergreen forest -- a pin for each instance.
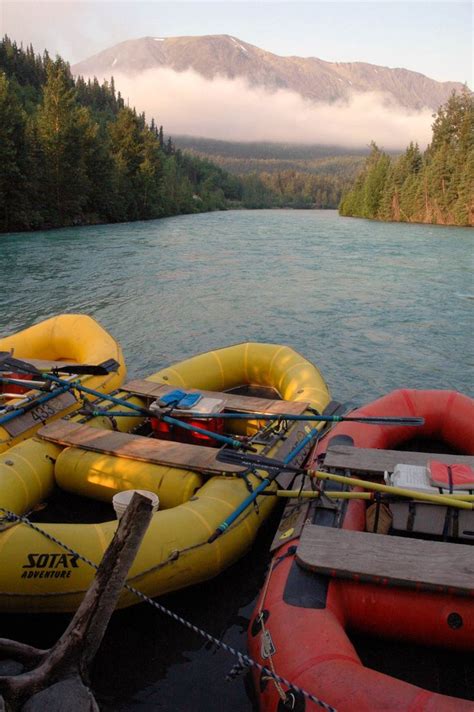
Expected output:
(72, 153)
(294, 175)
(435, 187)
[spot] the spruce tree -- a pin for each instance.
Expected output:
(13, 161)
(64, 129)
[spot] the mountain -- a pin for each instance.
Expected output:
(223, 55)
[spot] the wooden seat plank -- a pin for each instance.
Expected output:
(136, 447)
(246, 404)
(372, 461)
(388, 560)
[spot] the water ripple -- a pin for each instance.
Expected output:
(376, 306)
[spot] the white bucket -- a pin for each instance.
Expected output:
(121, 500)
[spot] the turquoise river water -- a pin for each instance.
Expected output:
(376, 306)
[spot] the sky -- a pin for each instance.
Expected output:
(434, 38)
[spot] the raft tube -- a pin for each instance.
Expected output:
(307, 614)
(37, 575)
(66, 339)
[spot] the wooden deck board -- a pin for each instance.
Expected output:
(136, 447)
(373, 461)
(246, 404)
(388, 560)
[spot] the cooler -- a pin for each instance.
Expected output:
(426, 518)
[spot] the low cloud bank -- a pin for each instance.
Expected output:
(187, 103)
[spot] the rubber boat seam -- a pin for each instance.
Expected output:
(406, 395)
(229, 505)
(320, 660)
(274, 358)
(19, 477)
(221, 368)
(178, 375)
(449, 406)
(101, 537)
(32, 469)
(246, 361)
(419, 703)
(192, 511)
(6, 534)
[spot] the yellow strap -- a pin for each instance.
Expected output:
(446, 500)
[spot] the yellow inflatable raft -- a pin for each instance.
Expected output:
(64, 339)
(98, 456)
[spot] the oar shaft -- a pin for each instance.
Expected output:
(310, 494)
(389, 489)
(314, 494)
(311, 418)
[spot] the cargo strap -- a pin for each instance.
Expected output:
(244, 660)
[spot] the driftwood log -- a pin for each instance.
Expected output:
(58, 678)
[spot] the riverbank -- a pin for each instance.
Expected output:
(434, 187)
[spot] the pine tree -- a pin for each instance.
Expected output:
(13, 164)
(64, 129)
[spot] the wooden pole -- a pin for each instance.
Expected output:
(74, 652)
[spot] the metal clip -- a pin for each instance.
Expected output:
(267, 648)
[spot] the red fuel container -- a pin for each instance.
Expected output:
(167, 431)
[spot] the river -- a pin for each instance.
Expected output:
(376, 306)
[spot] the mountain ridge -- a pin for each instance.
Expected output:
(214, 56)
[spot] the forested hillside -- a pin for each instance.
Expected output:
(73, 153)
(297, 175)
(436, 186)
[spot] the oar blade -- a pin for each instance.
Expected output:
(410, 421)
(15, 365)
(10, 364)
(100, 369)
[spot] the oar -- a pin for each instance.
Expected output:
(10, 364)
(315, 494)
(271, 465)
(282, 467)
(14, 365)
(389, 420)
(76, 385)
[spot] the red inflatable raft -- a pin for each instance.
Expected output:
(309, 607)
